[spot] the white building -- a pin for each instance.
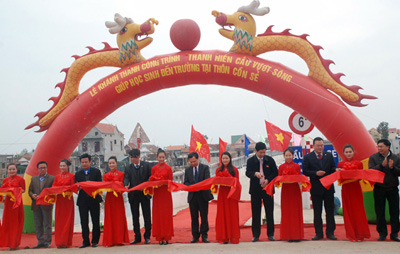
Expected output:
(103, 141)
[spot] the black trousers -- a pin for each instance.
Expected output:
(380, 197)
(198, 206)
(94, 208)
(327, 200)
(137, 200)
(256, 201)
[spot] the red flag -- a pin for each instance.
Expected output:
(199, 145)
(278, 139)
(222, 148)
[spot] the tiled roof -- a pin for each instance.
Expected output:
(107, 128)
(213, 147)
(175, 148)
(152, 148)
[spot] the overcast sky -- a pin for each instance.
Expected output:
(38, 38)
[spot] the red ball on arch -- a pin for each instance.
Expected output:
(185, 34)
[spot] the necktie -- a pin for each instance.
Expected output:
(319, 156)
(196, 175)
(262, 179)
(139, 172)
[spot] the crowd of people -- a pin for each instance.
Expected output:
(261, 169)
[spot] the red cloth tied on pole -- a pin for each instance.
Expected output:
(277, 181)
(222, 148)
(371, 176)
(278, 139)
(15, 194)
(49, 195)
(199, 144)
(213, 182)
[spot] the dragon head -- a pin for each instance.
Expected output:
(131, 37)
(244, 25)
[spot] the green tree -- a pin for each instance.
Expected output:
(383, 129)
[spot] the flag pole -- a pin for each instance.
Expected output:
(270, 152)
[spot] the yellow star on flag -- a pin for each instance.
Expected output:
(280, 137)
(198, 147)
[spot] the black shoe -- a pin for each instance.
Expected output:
(46, 245)
(381, 238)
(331, 237)
(161, 242)
(136, 241)
(317, 237)
(194, 240)
(94, 245)
(395, 238)
(84, 245)
(146, 240)
(39, 245)
(165, 242)
(271, 238)
(255, 239)
(205, 239)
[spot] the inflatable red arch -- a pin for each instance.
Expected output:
(297, 91)
(73, 115)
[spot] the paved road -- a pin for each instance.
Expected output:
(281, 247)
(306, 247)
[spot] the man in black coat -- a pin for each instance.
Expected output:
(136, 173)
(387, 162)
(317, 165)
(261, 169)
(198, 200)
(88, 204)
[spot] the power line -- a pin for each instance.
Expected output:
(4, 144)
(7, 145)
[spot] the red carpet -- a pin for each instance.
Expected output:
(183, 232)
(182, 222)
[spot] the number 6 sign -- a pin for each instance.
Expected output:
(299, 124)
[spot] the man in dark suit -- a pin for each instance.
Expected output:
(42, 214)
(317, 165)
(387, 162)
(136, 173)
(198, 200)
(88, 204)
(261, 169)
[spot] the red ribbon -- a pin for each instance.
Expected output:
(302, 179)
(48, 195)
(148, 187)
(371, 175)
(15, 194)
(212, 183)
